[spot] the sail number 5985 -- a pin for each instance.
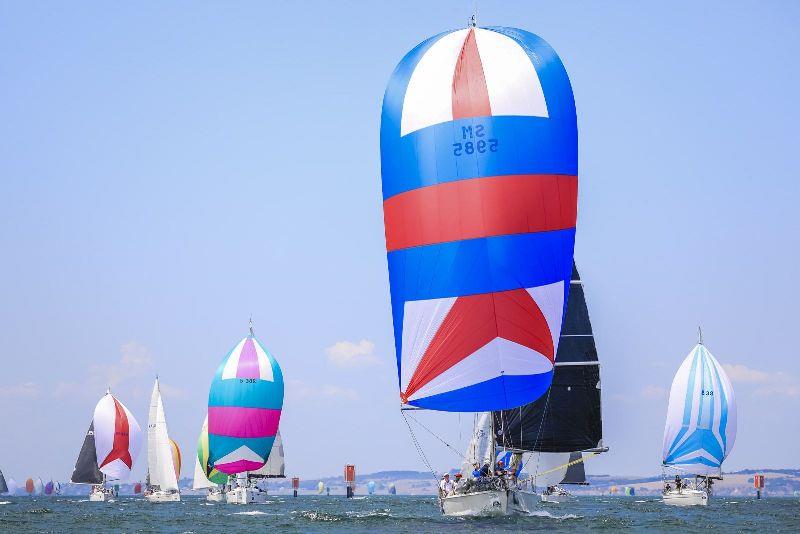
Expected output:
(472, 141)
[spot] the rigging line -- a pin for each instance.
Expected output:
(437, 437)
(419, 448)
(568, 464)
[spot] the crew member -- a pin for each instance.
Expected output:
(485, 470)
(500, 471)
(476, 471)
(446, 485)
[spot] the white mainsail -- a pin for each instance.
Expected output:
(701, 418)
(275, 466)
(479, 450)
(160, 466)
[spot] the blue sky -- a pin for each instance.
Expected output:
(167, 170)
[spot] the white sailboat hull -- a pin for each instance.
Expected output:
(101, 494)
(163, 496)
(215, 495)
(686, 497)
(246, 495)
(490, 503)
(556, 498)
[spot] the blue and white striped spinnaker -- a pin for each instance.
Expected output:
(701, 418)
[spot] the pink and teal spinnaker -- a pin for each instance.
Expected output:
(244, 408)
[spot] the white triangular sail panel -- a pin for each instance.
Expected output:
(160, 464)
(701, 418)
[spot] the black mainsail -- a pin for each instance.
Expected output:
(3, 485)
(575, 474)
(86, 470)
(568, 418)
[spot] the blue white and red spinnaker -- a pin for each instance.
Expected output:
(479, 159)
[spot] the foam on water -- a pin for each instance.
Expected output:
(251, 512)
(543, 513)
(5, 502)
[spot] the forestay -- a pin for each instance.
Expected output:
(701, 418)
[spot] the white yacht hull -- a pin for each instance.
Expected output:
(245, 495)
(489, 503)
(686, 497)
(163, 496)
(102, 495)
(215, 496)
(557, 498)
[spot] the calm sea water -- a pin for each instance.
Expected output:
(389, 513)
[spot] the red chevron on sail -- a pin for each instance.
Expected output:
(121, 448)
(473, 322)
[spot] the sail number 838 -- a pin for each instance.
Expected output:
(472, 141)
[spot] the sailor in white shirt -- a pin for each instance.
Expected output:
(446, 486)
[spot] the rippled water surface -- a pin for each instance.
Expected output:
(389, 513)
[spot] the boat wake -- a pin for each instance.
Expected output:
(542, 513)
(5, 502)
(251, 512)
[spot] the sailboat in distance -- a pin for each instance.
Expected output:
(244, 411)
(479, 165)
(3, 485)
(162, 480)
(109, 448)
(700, 428)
